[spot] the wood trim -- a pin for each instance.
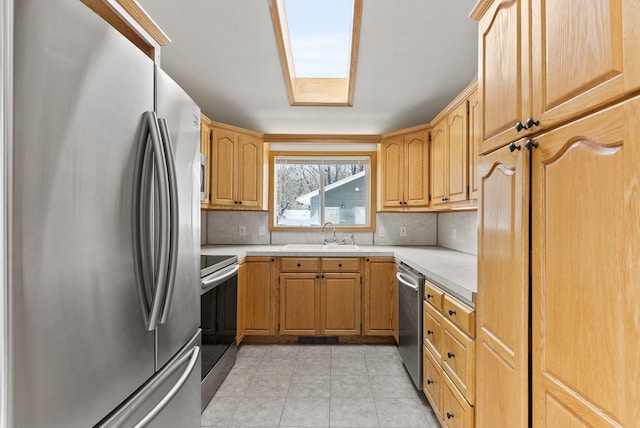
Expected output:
(422, 127)
(133, 22)
(462, 96)
(372, 196)
(237, 129)
(480, 9)
(321, 138)
(334, 92)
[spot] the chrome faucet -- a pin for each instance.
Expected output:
(334, 232)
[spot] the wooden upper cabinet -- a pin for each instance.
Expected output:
(585, 249)
(237, 169)
(404, 178)
(584, 55)
(475, 141)
(449, 157)
(205, 150)
(502, 309)
(438, 163)
(503, 69)
(552, 61)
(249, 172)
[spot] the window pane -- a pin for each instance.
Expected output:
(345, 193)
(311, 190)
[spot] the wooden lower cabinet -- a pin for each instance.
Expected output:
(299, 303)
(340, 304)
(448, 359)
(260, 316)
(380, 297)
(456, 412)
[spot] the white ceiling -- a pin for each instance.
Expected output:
(415, 57)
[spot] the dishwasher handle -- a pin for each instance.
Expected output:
(401, 279)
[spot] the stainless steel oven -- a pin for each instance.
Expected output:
(410, 292)
(219, 296)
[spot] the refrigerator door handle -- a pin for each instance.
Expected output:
(193, 359)
(173, 217)
(151, 275)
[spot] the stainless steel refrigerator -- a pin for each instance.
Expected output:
(103, 275)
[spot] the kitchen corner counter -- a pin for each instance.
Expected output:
(454, 271)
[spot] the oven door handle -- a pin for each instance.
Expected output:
(217, 278)
(400, 278)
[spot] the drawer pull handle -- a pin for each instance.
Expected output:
(450, 355)
(429, 382)
(429, 296)
(429, 331)
(339, 264)
(452, 312)
(298, 264)
(449, 415)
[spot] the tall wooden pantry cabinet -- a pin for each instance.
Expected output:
(558, 311)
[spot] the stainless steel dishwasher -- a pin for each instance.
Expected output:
(410, 292)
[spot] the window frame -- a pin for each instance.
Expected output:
(314, 91)
(372, 197)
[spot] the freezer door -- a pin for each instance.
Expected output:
(79, 347)
(181, 317)
(171, 399)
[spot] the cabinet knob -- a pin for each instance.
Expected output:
(272, 259)
(520, 127)
(531, 122)
(321, 276)
(299, 265)
(513, 147)
(429, 382)
(405, 202)
(449, 415)
(452, 312)
(429, 296)
(400, 202)
(317, 276)
(429, 331)
(530, 144)
(368, 260)
(445, 199)
(235, 202)
(450, 355)
(339, 264)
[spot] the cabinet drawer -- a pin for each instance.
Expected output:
(347, 264)
(458, 359)
(460, 314)
(433, 295)
(299, 264)
(456, 412)
(432, 330)
(432, 382)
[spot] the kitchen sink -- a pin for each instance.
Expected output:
(319, 247)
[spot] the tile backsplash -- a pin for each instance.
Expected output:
(457, 230)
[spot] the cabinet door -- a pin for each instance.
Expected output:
(475, 140)
(299, 303)
(457, 150)
(585, 265)
(223, 153)
(416, 174)
(392, 172)
(380, 300)
(503, 72)
(438, 163)
(340, 304)
(260, 296)
(502, 310)
(584, 55)
(249, 172)
(205, 150)
(433, 382)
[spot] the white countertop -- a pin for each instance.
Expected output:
(454, 271)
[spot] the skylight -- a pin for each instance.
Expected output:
(318, 45)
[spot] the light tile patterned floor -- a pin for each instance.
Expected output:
(318, 386)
